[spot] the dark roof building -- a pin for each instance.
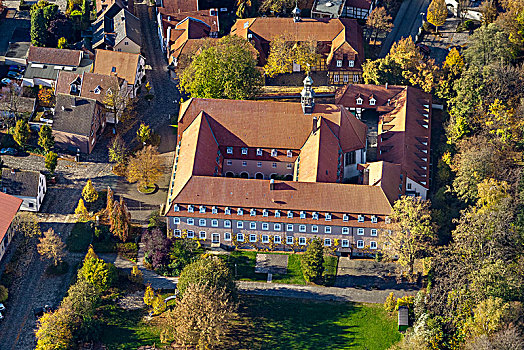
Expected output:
(30, 186)
(342, 8)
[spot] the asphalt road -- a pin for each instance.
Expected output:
(406, 23)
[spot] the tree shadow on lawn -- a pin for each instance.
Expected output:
(286, 323)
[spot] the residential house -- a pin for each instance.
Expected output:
(339, 42)
(277, 182)
(44, 64)
(78, 122)
(125, 65)
(29, 186)
(97, 87)
(10, 206)
(404, 128)
(117, 29)
(359, 9)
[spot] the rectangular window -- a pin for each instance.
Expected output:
(229, 162)
(339, 63)
(336, 78)
(227, 224)
(372, 245)
(345, 243)
(302, 228)
(289, 227)
(176, 207)
(227, 211)
(361, 218)
(240, 237)
(289, 153)
(229, 150)
(277, 239)
(346, 78)
(277, 213)
(355, 78)
(265, 213)
(327, 229)
(240, 211)
(259, 151)
(244, 150)
(360, 231)
(345, 230)
(351, 63)
(214, 210)
(190, 221)
(374, 219)
(373, 231)
(302, 214)
(240, 224)
(360, 244)
(289, 214)
(328, 217)
(214, 223)
(176, 220)
(202, 235)
(265, 226)
(408, 186)
(265, 239)
(259, 164)
(177, 233)
(253, 225)
(289, 239)
(277, 227)
(252, 238)
(315, 216)
(202, 209)
(302, 241)
(274, 165)
(327, 242)
(190, 209)
(202, 222)
(252, 212)
(227, 236)
(314, 228)
(190, 234)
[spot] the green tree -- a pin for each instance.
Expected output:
(412, 233)
(149, 295)
(51, 161)
(97, 272)
(22, 132)
(26, 224)
(4, 294)
(81, 211)
(487, 45)
(62, 43)
(313, 261)
(276, 6)
(437, 13)
(51, 246)
(226, 70)
(118, 150)
(82, 299)
(209, 271)
(89, 192)
(38, 27)
(45, 138)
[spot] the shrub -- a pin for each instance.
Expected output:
(57, 270)
(136, 275)
(391, 303)
(407, 300)
(128, 250)
(4, 293)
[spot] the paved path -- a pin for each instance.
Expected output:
(406, 23)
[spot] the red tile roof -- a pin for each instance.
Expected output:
(177, 6)
(125, 64)
(9, 206)
(90, 81)
(59, 57)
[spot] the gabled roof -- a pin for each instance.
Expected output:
(10, 206)
(88, 83)
(74, 114)
(177, 6)
(58, 57)
(385, 175)
(114, 25)
(348, 94)
(125, 64)
(23, 183)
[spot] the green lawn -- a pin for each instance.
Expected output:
(283, 323)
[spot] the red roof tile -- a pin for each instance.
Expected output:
(59, 57)
(9, 206)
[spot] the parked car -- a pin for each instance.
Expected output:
(10, 152)
(39, 311)
(18, 69)
(2, 307)
(1, 316)
(6, 81)
(424, 49)
(14, 75)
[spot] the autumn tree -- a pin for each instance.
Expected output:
(245, 8)
(116, 102)
(45, 138)
(120, 220)
(488, 11)
(202, 317)
(145, 167)
(27, 224)
(22, 132)
(226, 69)
(412, 233)
(437, 13)
(117, 150)
(51, 161)
(313, 261)
(380, 21)
(143, 134)
(279, 6)
(4, 294)
(209, 271)
(89, 192)
(51, 246)
(81, 211)
(62, 43)
(136, 276)
(54, 331)
(110, 202)
(284, 52)
(97, 272)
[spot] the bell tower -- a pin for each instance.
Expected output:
(307, 96)
(296, 13)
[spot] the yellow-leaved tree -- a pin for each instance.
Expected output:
(145, 167)
(437, 13)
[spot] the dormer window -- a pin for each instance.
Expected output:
(252, 212)
(176, 208)
(289, 214)
(339, 63)
(345, 217)
(227, 211)
(202, 209)
(113, 69)
(359, 101)
(265, 213)
(315, 216)
(97, 90)
(244, 151)
(302, 214)
(274, 153)
(360, 218)
(372, 101)
(190, 208)
(277, 213)
(374, 219)
(229, 150)
(214, 210)
(351, 63)
(328, 217)
(259, 151)
(240, 211)
(109, 92)
(289, 153)
(387, 220)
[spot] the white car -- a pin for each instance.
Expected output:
(2, 307)
(1, 316)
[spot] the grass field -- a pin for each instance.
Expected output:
(282, 323)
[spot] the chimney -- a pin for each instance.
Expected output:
(272, 184)
(168, 34)
(314, 127)
(365, 180)
(63, 108)
(389, 101)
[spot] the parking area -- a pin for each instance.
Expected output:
(447, 37)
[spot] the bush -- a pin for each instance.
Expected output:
(391, 303)
(57, 270)
(136, 275)
(4, 293)
(128, 250)
(407, 300)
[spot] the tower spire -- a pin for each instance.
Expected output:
(307, 96)
(296, 13)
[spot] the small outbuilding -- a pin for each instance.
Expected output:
(403, 318)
